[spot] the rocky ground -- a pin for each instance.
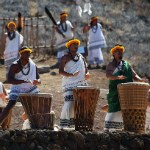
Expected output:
(51, 83)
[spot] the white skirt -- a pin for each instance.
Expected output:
(113, 120)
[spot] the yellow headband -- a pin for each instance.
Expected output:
(72, 41)
(25, 50)
(94, 18)
(63, 15)
(11, 23)
(119, 48)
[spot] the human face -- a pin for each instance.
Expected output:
(73, 47)
(63, 18)
(118, 55)
(11, 27)
(94, 22)
(25, 56)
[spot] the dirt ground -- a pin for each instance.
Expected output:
(51, 83)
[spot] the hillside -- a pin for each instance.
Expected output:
(124, 22)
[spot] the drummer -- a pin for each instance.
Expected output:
(3, 102)
(24, 77)
(117, 71)
(74, 70)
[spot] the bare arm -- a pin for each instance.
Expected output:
(87, 74)
(37, 81)
(74, 26)
(72, 29)
(4, 91)
(136, 77)
(11, 75)
(64, 60)
(86, 28)
(109, 73)
(4, 94)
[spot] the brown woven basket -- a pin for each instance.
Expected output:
(134, 120)
(133, 101)
(133, 95)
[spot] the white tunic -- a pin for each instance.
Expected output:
(24, 87)
(61, 41)
(69, 34)
(12, 47)
(96, 41)
(73, 67)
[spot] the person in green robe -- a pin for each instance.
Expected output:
(117, 71)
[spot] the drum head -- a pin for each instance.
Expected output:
(85, 87)
(36, 94)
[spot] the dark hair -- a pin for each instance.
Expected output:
(24, 47)
(118, 45)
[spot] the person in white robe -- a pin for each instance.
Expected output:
(87, 7)
(24, 77)
(11, 43)
(74, 70)
(96, 41)
(66, 28)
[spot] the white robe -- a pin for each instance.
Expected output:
(11, 52)
(60, 41)
(68, 84)
(24, 87)
(72, 67)
(96, 41)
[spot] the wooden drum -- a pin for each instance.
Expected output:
(38, 108)
(85, 100)
(133, 101)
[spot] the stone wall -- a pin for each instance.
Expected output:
(72, 140)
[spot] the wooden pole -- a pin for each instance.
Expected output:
(37, 36)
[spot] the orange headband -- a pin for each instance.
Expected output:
(72, 41)
(63, 15)
(94, 18)
(118, 47)
(11, 23)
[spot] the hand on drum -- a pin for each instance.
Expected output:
(24, 116)
(105, 108)
(87, 76)
(121, 77)
(145, 80)
(36, 82)
(3, 96)
(86, 28)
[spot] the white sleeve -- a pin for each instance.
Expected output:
(1, 88)
(21, 39)
(69, 24)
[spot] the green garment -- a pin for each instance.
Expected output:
(113, 100)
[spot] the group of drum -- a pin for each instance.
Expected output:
(133, 100)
